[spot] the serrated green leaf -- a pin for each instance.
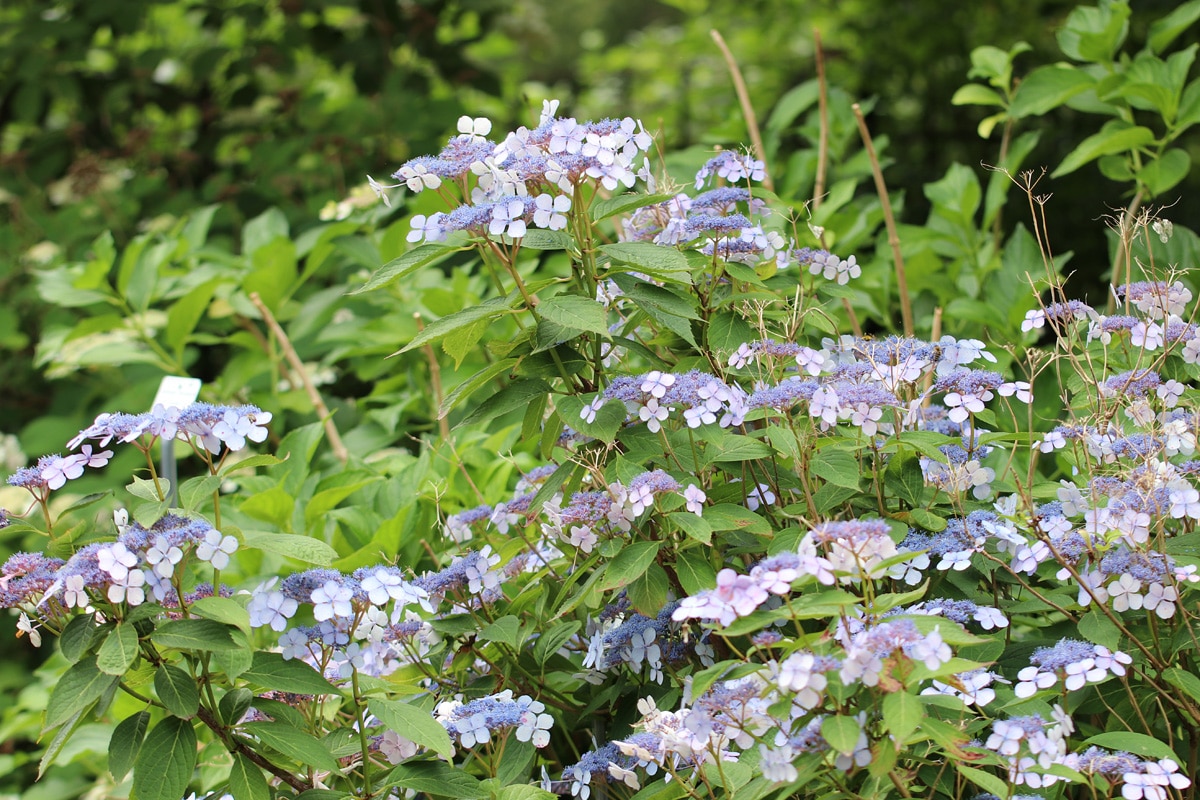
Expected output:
(539, 239)
(246, 781)
(59, 742)
(1183, 680)
(576, 313)
(524, 791)
(292, 545)
(1136, 743)
(271, 671)
(837, 467)
(505, 630)
(195, 491)
(293, 743)
(984, 780)
(234, 704)
(736, 448)
(487, 310)
(193, 634)
(77, 637)
(555, 637)
(80, 686)
(902, 714)
(118, 651)
(629, 564)
(652, 259)
(623, 204)
(125, 744)
(695, 573)
(517, 395)
(436, 778)
(177, 690)
(695, 527)
(731, 517)
(413, 724)
(146, 489)
(164, 764)
(648, 592)
(419, 257)
(222, 609)
(841, 733)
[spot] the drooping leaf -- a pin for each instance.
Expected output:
(164, 764)
(177, 690)
(125, 744)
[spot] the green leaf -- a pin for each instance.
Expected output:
(293, 743)
(648, 592)
(838, 467)
(413, 724)
(904, 478)
(1166, 171)
(234, 704)
(222, 609)
(902, 714)
(292, 545)
(538, 239)
(695, 527)
(77, 637)
(1183, 680)
(984, 780)
(125, 743)
(177, 690)
(654, 260)
(976, 94)
(1093, 33)
(629, 564)
(246, 781)
(195, 491)
(575, 312)
(58, 743)
(555, 637)
(80, 686)
(727, 331)
(324, 501)
(474, 383)
(923, 518)
(1136, 743)
(736, 448)
(118, 651)
(730, 517)
(164, 765)
(1114, 137)
(1167, 29)
(695, 572)
(436, 778)
(841, 733)
(1099, 629)
(623, 204)
(1047, 88)
(186, 312)
(401, 267)
(506, 630)
(193, 634)
(517, 395)
(271, 671)
(524, 791)
(440, 328)
(145, 489)
(264, 229)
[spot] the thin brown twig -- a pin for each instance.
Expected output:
(739, 86)
(289, 352)
(889, 220)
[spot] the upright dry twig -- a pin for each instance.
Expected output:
(889, 220)
(823, 112)
(739, 86)
(335, 440)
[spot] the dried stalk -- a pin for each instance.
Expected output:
(739, 86)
